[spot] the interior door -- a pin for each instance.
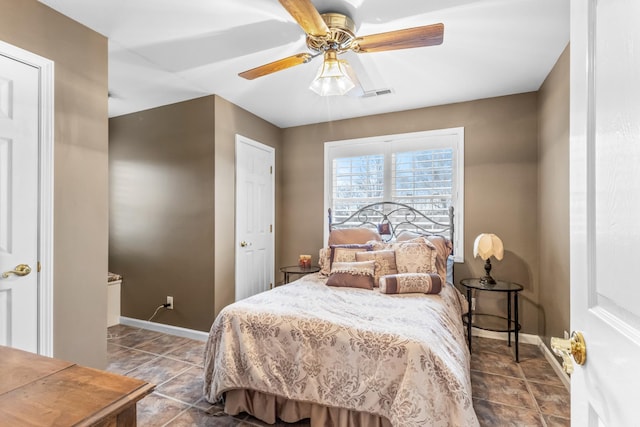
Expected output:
(254, 217)
(19, 106)
(605, 209)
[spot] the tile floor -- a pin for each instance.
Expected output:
(505, 393)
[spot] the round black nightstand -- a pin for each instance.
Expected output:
(296, 269)
(491, 322)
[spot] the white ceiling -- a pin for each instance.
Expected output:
(166, 51)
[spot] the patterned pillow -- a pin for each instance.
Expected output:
(379, 245)
(352, 274)
(442, 244)
(405, 235)
(324, 260)
(415, 256)
(411, 282)
(346, 253)
(385, 263)
(444, 248)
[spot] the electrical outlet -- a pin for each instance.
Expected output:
(170, 302)
(473, 304)
(566, 335)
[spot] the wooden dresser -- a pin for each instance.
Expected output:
(42, 391)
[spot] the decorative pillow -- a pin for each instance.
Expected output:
(410, 283)
(352, 274)
(349, 236)
(346, 253)
(405, 235)
(379, 245)
(415, 256)
(324, 259)
(385, 263)
(442, 244)
(444, 248)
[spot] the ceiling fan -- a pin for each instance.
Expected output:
(332, 34)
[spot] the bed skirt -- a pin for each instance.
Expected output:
(268, 407)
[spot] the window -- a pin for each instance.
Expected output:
(424, 170)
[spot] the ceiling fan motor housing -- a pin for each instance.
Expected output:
(340, 36)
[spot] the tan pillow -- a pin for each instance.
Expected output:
(352, 274)
(346, 253)
(352, 236)
(444, 248)
(385, 263)
(324, 260)
(405, 235)
(377, 245)
(410, 283)
(415, 256)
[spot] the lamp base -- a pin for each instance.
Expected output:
(487, 279)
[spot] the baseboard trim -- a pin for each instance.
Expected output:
(566, 380)
(166, 329)
(529, 339)
(523, 338)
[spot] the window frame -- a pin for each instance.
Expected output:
(388, 144)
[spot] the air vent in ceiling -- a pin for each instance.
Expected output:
(376, 92)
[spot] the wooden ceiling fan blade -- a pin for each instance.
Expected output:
(279, 65)
(307, 16)
(429, 35)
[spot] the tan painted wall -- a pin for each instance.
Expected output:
(80, 172)
(172, 172)
(501, 189)
(501, 185)
(161, 211)
(553, 128)
(232, 120)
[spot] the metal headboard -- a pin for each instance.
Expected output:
(391, 218)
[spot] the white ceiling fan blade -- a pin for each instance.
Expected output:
(366, 74)
(181, 54)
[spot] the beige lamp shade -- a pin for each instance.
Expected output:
(487, 245)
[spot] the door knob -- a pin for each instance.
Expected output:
(20, 270)
(574, 346)
(243, 244)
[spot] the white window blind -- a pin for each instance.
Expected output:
(357, 181)
(423, 170)
(424, 180)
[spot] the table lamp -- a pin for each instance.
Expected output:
(487, 245)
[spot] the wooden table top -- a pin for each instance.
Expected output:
(18, 368)
(42, 391)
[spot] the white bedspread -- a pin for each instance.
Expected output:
(403, 357)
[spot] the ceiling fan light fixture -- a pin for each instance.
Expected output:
(333, 76)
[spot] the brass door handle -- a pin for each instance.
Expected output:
(20, 270)
(244, 244)
(574, 346)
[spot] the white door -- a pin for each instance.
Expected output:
(254, 217)
(605, 209)
(19, 173)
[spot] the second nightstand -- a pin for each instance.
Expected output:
(491, 322)
(295, 269)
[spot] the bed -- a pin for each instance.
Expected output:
(335, 348)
